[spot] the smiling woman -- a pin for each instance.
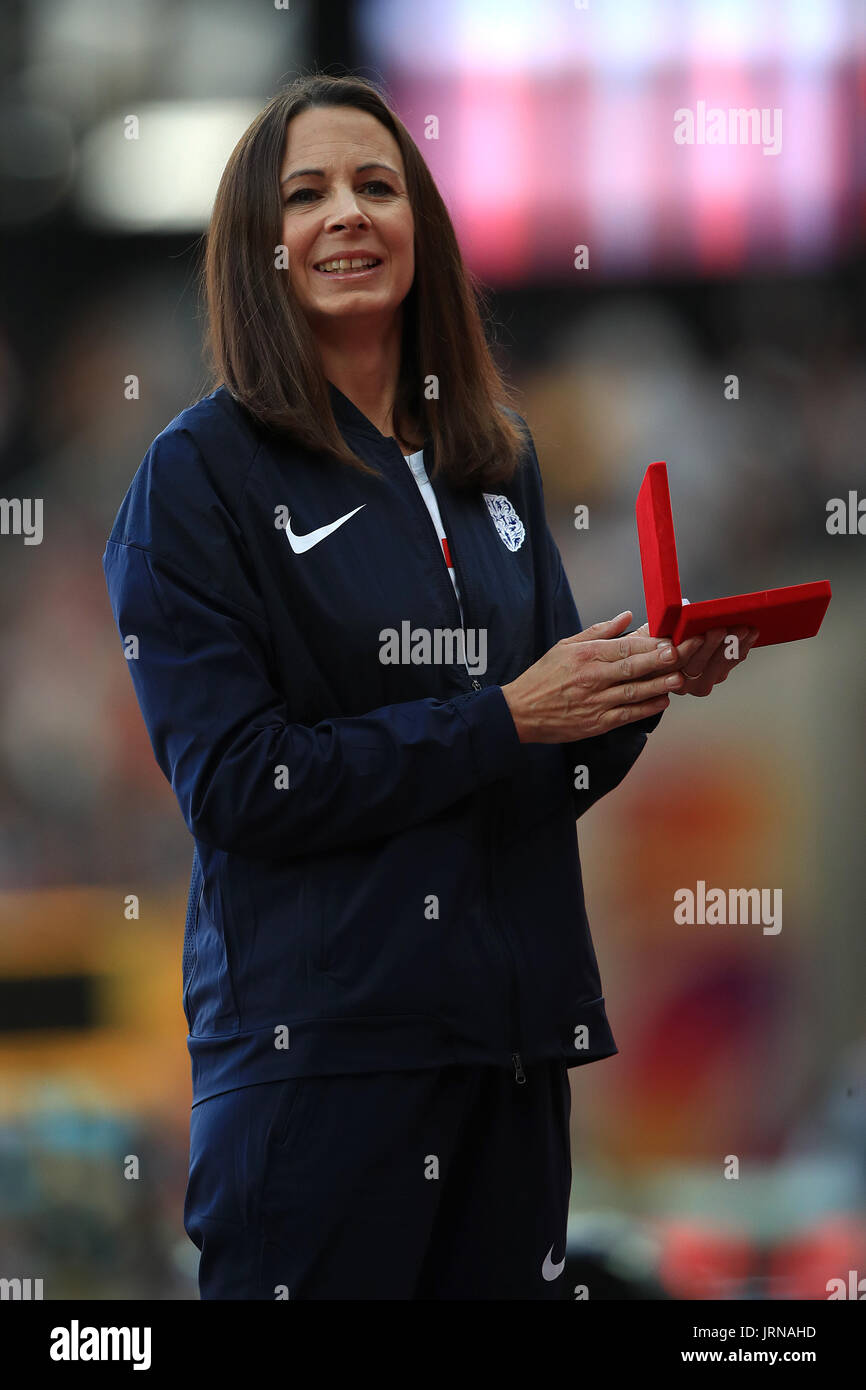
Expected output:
(326, 177)
(338, 196)
(350, 239)
(387, 964)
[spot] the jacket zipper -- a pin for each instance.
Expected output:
(492, 820)
(500, 934)
(516, 1060)
(461, 623)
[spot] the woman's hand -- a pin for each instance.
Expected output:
(709, 666)
(595, 681)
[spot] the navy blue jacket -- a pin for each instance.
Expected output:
(383, 876)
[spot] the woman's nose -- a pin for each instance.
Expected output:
(346, 212)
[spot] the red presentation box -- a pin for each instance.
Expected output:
(780, 615)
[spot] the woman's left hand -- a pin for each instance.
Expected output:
(708, 665)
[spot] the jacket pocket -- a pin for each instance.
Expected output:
(288, 1115)
(190, 935)
(210, 998)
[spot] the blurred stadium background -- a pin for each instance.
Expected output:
(555, 129)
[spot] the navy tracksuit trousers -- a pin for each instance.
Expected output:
(444, 1183)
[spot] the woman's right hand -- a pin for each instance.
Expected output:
(596, 681)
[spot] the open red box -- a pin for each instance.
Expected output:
(780, 615)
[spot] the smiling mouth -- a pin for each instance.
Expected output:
(340, 268)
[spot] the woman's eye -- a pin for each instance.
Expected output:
(298, 195)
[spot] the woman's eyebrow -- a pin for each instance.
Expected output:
(320, 173)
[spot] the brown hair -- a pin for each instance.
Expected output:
(262, 349)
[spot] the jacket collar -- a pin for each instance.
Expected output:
(349, 417)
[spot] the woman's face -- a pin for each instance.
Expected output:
(334, 210)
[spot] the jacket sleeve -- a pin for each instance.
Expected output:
(607, 757)
(246, 779)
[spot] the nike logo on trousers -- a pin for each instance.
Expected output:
(301, 543)
(549, 1270)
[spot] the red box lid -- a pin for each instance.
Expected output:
(780, 615)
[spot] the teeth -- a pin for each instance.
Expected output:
(344, 264)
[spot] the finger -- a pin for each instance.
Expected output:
(608, 627)
(745, 643)
(698, 650)
(696, 661)
(634, 692)
(745, 640)
(634, 658)
(722, 664)
(628, 714)
(625, 648)
(718, 669)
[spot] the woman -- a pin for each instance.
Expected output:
(387, 965)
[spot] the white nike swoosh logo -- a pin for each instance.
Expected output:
(301, 543)
(549, 1270)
